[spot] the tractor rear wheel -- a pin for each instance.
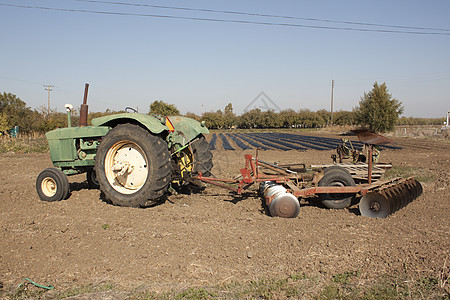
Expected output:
(202, 156)
(133, 166)
(336, 178)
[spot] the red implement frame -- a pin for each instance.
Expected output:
(299, 184)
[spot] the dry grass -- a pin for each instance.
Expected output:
(24, 143)
(408, 171)
(346, 285)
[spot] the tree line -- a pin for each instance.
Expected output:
(377, 110)
(15, 112)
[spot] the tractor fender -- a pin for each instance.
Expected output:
(153, 124)
(186, 129)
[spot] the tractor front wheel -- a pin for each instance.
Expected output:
(52, 185)
(133, 166)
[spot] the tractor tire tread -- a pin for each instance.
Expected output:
(203, 158)
(62, 184)
(160, 170)
(336, 201)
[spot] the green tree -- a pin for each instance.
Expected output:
(405, 121)
(213, 120)
(15, 112)
(51, 121)
(163, 109)
(229, 117)
(420, 121)
(251, 119)
(343, 117)
(309, 119)
(4, 124)
(229, 108)
(288, 118)
(378, 109)
(271, 119)
(324, 117)
(193, 116)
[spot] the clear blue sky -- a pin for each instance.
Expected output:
(201, 65)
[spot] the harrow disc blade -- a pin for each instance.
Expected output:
(285, 206)
(409, 191)
(400, 200)
(375, 205)
(413, 187)
(404, 196)
(389, 199)
(391, 194)
(419, 187)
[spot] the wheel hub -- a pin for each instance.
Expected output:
(375, 207)
(49, 187)
(126, 167)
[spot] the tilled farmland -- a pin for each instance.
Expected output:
(212, 237)
(278, 141)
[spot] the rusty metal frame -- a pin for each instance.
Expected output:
(395, 193)
(249, 175)
(299, 184)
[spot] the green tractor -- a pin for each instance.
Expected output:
(132, 158)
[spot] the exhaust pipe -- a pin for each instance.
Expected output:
(281, 203)
(84, 107)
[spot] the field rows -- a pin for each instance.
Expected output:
(277, 141)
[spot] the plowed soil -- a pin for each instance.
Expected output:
(213, 236)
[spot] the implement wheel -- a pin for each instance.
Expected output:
(133, 166)
(336, 178)
(52, 185)
(331, 168)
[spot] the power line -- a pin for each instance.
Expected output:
(264, 15)
(222, 20)
(20, 80)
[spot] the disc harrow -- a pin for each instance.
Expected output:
(281, 186)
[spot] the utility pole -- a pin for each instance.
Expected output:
(332, 90)
(48, 88)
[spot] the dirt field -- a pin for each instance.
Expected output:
(215, 237)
